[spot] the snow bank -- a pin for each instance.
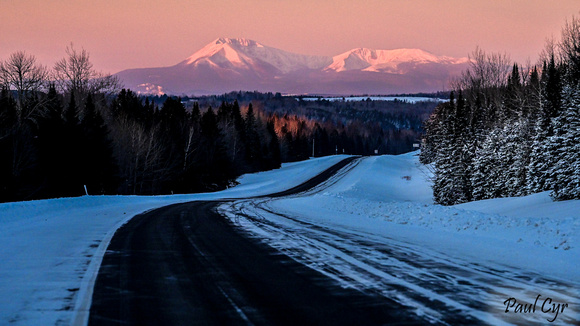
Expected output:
(472, 257)
(391, 195)
(50, 250)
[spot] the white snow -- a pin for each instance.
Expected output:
(385, 60)
(396, 189)
(482, 253)
(373, 227)
(248, 54)
(50, 250)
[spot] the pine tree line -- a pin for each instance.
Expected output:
(128, 145)
(509, 131)
(125, 146)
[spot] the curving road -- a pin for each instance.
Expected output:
(185, 264)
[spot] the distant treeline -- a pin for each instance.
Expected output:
(246, 97)
(397, 124)
(510, 131)
(81, 130)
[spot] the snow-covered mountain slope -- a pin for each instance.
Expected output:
(251, 55)
(387, 60)
(240, 64)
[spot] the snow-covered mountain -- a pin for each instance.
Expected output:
(227, 65)
(226, 53)
(390, 61)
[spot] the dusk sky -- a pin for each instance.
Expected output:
(121, 34)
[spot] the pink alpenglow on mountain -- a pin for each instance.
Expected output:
(387, 60)
(227, 65)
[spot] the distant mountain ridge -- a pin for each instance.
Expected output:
(227, 64)
(250, 54)
(386, 60)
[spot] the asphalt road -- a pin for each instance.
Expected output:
(185, 264)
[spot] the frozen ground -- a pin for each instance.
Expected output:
(50, 250)
(375, 229)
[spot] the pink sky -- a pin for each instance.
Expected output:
(122, 34)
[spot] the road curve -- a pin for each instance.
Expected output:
(185, 264)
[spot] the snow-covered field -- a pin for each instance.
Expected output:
(50, 250)
(372, 227)
(376, 229)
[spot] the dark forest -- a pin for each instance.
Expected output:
(82, 129)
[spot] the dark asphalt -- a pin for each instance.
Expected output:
(185, 264)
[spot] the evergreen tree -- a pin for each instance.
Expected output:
(194, 130)
(216, 169)
(252, 140)
(454, 155)
(273, 157)
(173, 120)
(450, 184)
(237, 117)
(127, 104)
(487, 168)
(553, 95)
(51, 146)
(72, 157)
(224, 112)
(566, 170)
(533, 94)
(96, 154)
(71, 113)
(539, 160)
(513, 154)
(8, 111)
(545, 145)
(513, 102)
(431, 139)
(239, 139)
(8, 118)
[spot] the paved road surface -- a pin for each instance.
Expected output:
(185, 264)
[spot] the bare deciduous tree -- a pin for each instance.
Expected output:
(487, 74)
(75, 73)
(570, 45)
(486, 70)
(20, 72)
(138, 152)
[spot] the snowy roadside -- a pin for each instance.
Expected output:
(362, 229)
(391, 195)
(50, 250)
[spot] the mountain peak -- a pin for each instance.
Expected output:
(237, 41)
(240, 53)
(229, 48)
